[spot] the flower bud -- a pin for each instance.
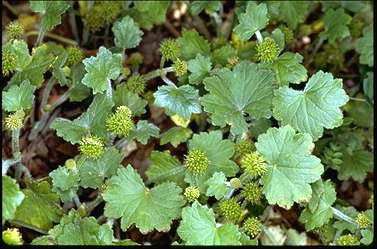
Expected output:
(15, 120)
(169, 49)
(196, 162)
(230, 209)
(14, 30)
(192, 193)
(252, 226)
(252, 193)
(12, 236)
(75, 55)
(363, 221)
(253, 164)
(180, 67)
(92, 146)
(268, 50)
(70, 164)
(120, 122)
(136, 84)
(235, 183)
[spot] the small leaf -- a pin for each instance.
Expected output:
(368, 85)
(122, 96)
(364, 46)
(278, 36)
(198, 227)
(314, 108)
(175, 136)
(199, 68)
(288, 69)
(51, 12)
(183, 100)
(149, 209)
(255, 18)
(144, 131)
(11, 198)
(101, 69)
(79, 91)
(336, 22)
(127, 33)
(65, 182)
(216, 186)
(18, 97)
(191, 44)
(289, 166)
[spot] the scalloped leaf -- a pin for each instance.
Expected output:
(65, 182)
(200, 68)
(364, 46)
(144, 131)
(191, 44)
(288, 69)
(336, 22)
(292, 12)
(51, 12)
(127, 33)
(18, 97)
(175, 136)
(216, 186)
(122, 96)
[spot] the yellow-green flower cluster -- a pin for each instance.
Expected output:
(8, 60)
(136, 84)
(230, 209)
(12, 236)
(363, 221)
(169, 49)
(347, 240)
(252, 193)
(235, 183)
(75, 55)
(244, 147)
(92, 146)
(252, 226)
(120, 122)
(268, 50)
(14, 30)
(192, 193)
(253, 164)
(180, 67)
(15, 120)
(196, 162)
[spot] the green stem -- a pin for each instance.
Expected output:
(341, 216)
(52, 36)
(357, 99)
(46, 93)
(7, 163)
(259, 36)
(77, 201)
(167, 81)
(158, 73)
(40, 37)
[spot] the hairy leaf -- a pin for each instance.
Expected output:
(216, 186)
(288, 69)
(65, 182)
(18, 97)
(122, 96)
(199, 68)
(336, 22)
(293, 12)
(364, 46)
(175, 136)
(191, 44)
(127, 33)
(51, 12)
(144, 131)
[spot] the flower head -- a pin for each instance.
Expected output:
(12, 236)
(15, 30)
(252, 226)
(268, 50)
(136, 84)
(8, 60)
(244, 146)
(180, 67)
(92, 146)
(235, 183)
(169, 49)
(347, 240)
(120, 122)
(252, 193)
(253, 164)
(192, 193)
(196, 162)
(230, 209)
(70, 164)
(15, 120)
(75, 55)
(363, 221)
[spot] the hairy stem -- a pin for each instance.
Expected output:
(41, 34)
(19, 223)
(168, 82)
(259, 36)
(341, 216)
(52, 36)
(158, 73)
(77, 201)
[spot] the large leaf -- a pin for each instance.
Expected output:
(182, 101)
(314, 108)
(127, 33)
(319, 212)
(198, 227)
(248, 89)
(51, 12)
(101, 69)
(191, 44)
(255, 18)
(21, 52)
(149, 209)
(18, 97)
(290, 166)
(40, 208)
(288, 69)
(11, 198)
(144, 131)
(336, 22)
(364, 46)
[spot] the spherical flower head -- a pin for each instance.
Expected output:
(230, 209)
(12, 236)
(244, 147)
(252, 193)
(15, 30)
(268, 50)
(100, 14)
(120, 122)
(136, 58)
(252, 226)
(192, 193)
(235, 183)
(288, 34)
(180, 67)
(92, 146)
(196, 162)
(75, 55)
(15, 120)
(8, 60)
(253, 164)
(136, 84)
(70, 164)
(363, 221)
(347, 240)
(169, 49)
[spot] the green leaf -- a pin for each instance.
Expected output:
(40, 208)
(246, 89)
(288, 69)
(122, 96)
(246, 241)
(319, 210)
(259, 126)
(94, 171)
(198, 227)
(127, 33)
(314, 108)
(368, 85)
(362, 113)
(336, 22)
(216, 186)
(200, 68)
(144, 131)
(289, 166)
(74, 230)
(182, 101)
(101, 69)
(148, 13)
(218, 151)
(165, 167)
(191, 44)
(342, 225)
(149, 209)
(65, 182)
(175, 136)
(356, 165)
(255, 18)
(43, 241)
(11, 197)
(21, 51)
(18, 97)
(51, 12)
(221, 55)
(293, 12)
(125, 242)
(279, 38)
(208, 6)
(92, 121)
(364, 46)
(79, 91)
(367, 237)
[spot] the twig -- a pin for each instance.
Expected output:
(52, 36)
